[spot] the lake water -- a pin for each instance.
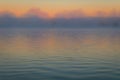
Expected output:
(59, 54)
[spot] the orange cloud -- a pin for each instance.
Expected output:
(50, 13)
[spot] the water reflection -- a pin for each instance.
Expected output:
(63, 54)
(53, 40)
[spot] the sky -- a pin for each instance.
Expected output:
(59, 13)
(66, 8)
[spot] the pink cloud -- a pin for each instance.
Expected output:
(36, 12)
(72, 14)
(111, 13)
(6, 13)
(115, 13)
(100, 13)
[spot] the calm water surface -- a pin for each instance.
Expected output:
(59, 54)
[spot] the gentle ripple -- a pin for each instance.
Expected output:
(87, 54)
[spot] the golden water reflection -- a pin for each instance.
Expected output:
(60, 42)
